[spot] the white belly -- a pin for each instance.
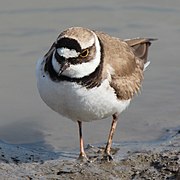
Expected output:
(76, 102)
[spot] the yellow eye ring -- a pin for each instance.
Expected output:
(84, 53)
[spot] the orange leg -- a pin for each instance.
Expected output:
(82, 154)
(110, 137)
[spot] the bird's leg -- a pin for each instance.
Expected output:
(82, 154)
(107, 155)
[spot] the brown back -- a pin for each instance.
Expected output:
(127, 59)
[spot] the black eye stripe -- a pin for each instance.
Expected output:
(73, 60)
(61, 58)
(68, 43)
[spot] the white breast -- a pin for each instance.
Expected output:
(76, 102)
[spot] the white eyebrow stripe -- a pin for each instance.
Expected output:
(67, 53)
(87, 44)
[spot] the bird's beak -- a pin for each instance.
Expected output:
(64, 65)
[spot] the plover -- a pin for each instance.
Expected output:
(89, 75)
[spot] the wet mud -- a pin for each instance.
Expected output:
(157, 160)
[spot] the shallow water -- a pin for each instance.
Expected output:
(27, 30)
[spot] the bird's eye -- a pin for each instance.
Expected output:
(85, 53)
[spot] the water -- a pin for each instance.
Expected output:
(27, 30)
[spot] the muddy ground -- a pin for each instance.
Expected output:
(135, 160)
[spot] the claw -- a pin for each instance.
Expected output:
(107, 157)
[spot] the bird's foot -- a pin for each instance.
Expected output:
(83, 158)
(107, 157)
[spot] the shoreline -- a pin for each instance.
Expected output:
(131, 161)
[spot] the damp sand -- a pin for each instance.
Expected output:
(132, 160)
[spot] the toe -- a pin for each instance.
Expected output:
(107, 157)
(83, 157)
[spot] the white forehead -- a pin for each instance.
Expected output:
(67, 53)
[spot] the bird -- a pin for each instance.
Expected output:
(88, 75)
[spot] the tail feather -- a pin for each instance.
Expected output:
(140, 47)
